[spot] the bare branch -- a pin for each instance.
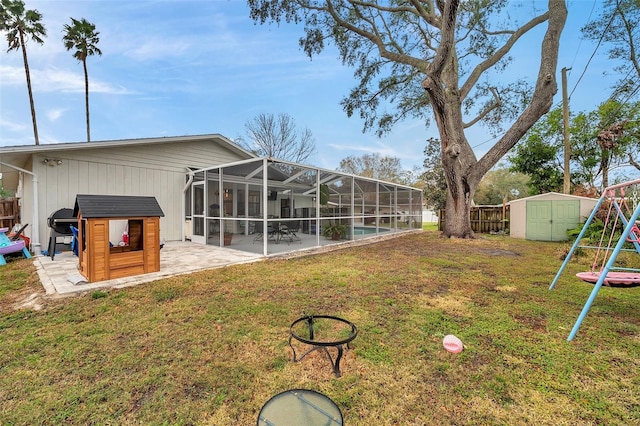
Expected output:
(495, 104)
(499, 54)
(628, 28)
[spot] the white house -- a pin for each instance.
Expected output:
(48, 177)
(204, 184)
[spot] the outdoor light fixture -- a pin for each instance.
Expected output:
(52, 161)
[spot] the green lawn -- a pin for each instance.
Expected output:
(210, 348)
(430, 226)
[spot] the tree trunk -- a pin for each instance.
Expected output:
(86, 96)
(458, 159)
(26, 70)
(459, 163)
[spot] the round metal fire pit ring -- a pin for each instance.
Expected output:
(322, 344)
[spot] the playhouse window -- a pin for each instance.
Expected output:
(125, 235)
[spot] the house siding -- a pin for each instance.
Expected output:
(153, 170)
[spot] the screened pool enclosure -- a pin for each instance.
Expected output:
(269, 206)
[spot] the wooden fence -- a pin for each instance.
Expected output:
(9, 212)
(484, 219)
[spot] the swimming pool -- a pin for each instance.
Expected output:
(367, 230)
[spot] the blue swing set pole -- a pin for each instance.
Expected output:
(603, 273)
(577, 242)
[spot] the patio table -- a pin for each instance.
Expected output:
(300, 407)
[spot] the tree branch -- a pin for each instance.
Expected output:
(372, 37)
(495, 104)
(633, 162)
(628, 28)
(499, 54)
(447, 41)
(546, 87)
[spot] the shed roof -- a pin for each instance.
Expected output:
(93, 206)
(554, 195)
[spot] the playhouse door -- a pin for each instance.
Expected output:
(198, 209)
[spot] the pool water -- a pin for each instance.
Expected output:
(365, 230)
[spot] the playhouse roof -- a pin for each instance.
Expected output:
(94, 206)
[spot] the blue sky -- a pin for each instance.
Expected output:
(172, 68)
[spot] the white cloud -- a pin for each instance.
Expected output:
(11, 126)
(158, 48)
(55, 114)
(378, 148)
(11, 75)
(57, 80)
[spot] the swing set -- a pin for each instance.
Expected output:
(620, 234)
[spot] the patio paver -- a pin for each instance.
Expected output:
(60, 276)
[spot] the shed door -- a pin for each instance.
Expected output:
(549, 220)
(565, 215)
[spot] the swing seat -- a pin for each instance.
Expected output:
(613, 279)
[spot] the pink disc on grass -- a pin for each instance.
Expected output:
(452, 344)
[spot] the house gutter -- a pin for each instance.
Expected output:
(184, 200)
(35, 226)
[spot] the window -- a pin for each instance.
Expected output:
(130, 235)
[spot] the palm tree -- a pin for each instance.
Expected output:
(20, 25)
(83, 37)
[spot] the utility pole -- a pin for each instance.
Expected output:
(567, 147)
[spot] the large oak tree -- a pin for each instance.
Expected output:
(447, 57)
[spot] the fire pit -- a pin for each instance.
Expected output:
(322, 332)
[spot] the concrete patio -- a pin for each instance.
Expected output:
(61, 277)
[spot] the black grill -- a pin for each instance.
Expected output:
(59, 222)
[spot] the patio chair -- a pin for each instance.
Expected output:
(7, 246)
(74, 240)
(273, 231)
(259, 232)
(293, 229)
(281, 232)
(18, 235)
(277, 231)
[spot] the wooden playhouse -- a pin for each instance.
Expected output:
(118, 235)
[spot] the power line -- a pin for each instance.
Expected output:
(482, 143)
(594, 52)
(593, 7)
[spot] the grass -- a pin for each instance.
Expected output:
(429, 226)
(211, 348)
